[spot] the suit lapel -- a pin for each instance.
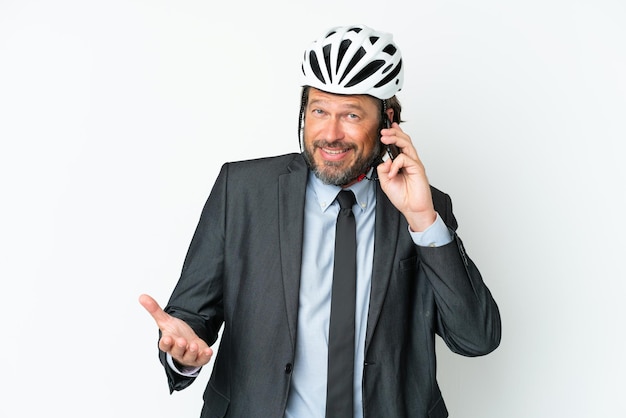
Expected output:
(385, 244)
(291, 194)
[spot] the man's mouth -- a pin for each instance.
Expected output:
(334, 154)
(335, 151)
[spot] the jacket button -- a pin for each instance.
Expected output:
(288, 368)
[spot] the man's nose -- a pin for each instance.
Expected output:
(333, 130)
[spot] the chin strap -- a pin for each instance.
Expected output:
(374, 176)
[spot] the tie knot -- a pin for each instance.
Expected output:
(346, 199)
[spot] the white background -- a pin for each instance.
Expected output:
(115, 117)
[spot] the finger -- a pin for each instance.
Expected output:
(205, 355)
(179, 349)
(166, 344)
(395, 135)
(395, 127)
(396, 165)
(390, 168)
(191, 354)
(196, 356)
(383, 168)
(153, 308)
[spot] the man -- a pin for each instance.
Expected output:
(260, 263)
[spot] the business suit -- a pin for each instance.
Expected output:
(243, 268)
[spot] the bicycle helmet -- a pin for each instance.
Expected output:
(354, 60)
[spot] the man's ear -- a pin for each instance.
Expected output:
(389, 113)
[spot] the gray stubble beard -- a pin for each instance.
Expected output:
(361, 166)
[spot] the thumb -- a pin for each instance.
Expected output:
(153, 308)
(383, 170)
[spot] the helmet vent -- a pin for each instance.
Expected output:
(354, 61)
(343, 47)
(315, 66)
(390, 76)
(390, 49)
(366, 72)
(326, 50)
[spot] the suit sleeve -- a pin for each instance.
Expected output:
(198, 296)
(468, 317)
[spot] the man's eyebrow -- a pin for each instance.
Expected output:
(321, 102)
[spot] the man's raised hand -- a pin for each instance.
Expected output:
(177, 338)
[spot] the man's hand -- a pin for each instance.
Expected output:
(177, 338)
(404, 181)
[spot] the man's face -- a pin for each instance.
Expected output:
(340, 135)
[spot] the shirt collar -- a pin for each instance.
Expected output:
(325, 194)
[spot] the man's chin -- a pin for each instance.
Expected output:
(338, 173)
(334, 177)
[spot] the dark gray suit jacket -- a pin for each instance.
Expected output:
(243, 270)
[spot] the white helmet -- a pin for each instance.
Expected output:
(354, 60)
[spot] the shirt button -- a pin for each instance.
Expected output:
(288, 368)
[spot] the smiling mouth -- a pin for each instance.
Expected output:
(334, 155)
(335, 151)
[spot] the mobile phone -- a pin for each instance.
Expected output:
(392, 149)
